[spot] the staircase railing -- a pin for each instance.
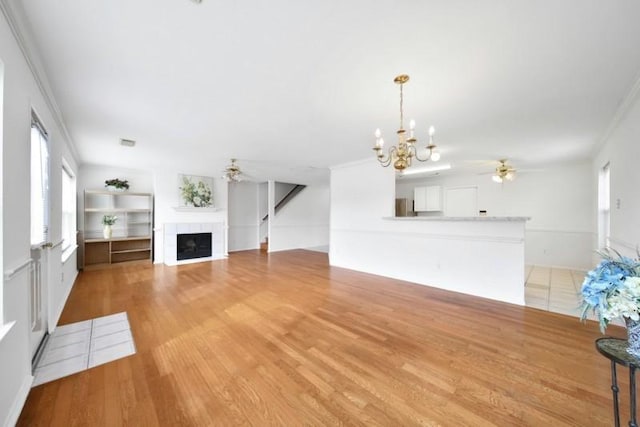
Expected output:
(287, 197)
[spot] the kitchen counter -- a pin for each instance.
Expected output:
(457, 218)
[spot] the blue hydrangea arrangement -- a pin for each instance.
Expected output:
(612, 289)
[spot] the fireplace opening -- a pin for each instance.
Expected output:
(192, 246)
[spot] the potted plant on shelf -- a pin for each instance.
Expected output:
(107, 222)
(116, 184)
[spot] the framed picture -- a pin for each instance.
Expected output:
(195, 191)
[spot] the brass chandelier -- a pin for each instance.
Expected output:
(405, 150)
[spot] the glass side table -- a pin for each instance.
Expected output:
(615, 349)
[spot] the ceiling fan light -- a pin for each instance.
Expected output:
(496, 178)
(510, 176)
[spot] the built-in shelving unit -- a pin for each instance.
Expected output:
(132, 237)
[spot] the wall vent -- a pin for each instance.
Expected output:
(127, 142)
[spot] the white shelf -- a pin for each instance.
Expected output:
(116, 210)
(118, 239)
(116, 193)
(128, 251)
(132, 233)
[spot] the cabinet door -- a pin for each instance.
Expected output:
(420, 199)
(427, 199)
(433, 198)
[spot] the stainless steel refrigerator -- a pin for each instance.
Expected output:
(404, 207)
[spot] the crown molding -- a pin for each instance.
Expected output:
(622, 110)
(34, 64)
(368, 160)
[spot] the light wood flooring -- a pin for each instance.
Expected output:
(284, 339)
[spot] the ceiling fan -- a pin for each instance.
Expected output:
(503, 172)
(232, 172)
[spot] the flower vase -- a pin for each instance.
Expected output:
(633, 336)
(107, 232)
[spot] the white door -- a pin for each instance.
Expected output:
(40, 243)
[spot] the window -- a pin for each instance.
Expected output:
(68, 210)
(39, 182)
(604, 207)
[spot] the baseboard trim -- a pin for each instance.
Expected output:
(18, 402)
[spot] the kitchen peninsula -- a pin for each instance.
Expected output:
(482, 256)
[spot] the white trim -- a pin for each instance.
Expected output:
(194, 209)
(301, 226)
(243, 226)
(11, 274)
(4, 329)
(415, 235)
(623, 243)
(33, 62)
(549, 230)
(622, 110)
(354, 163)
(67, 253)
(18, 402)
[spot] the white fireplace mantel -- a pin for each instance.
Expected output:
(171, 231)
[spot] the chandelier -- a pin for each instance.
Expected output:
(504, 172)
(232, 172)
(405, 151)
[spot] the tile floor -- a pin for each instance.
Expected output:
(83, 345)
(556, 290)
(553, 289)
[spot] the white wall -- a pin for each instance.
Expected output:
(263, 209)
(484, 258)
(303, 222)
(622, 152)
(92, 177)
(21, 93)
(558, 199)
(243, 216)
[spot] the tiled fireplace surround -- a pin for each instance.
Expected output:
(171, 231)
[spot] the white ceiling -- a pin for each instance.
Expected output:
(292, 87)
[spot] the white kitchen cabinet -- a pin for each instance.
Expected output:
(427, 199)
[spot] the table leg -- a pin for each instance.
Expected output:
(614, 388)
(632, 396)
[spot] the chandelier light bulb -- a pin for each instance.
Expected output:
(380, 143)
(432, 130)
(435, 156)
(412, 124)
(378, 133)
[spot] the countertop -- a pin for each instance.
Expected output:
(458, 218)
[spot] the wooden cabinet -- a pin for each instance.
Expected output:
(427, 199)
(132, 233)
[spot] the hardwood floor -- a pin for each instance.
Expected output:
(284, 339)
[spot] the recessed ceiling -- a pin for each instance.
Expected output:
(296, 86)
